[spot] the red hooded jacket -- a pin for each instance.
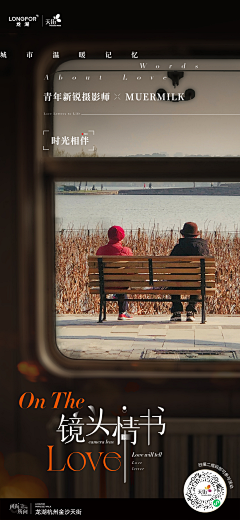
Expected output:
(114, 246)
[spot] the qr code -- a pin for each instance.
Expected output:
(205, 490)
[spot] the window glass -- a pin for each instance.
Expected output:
(152, 216)
(145, 108)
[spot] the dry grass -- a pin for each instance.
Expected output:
(73, 248)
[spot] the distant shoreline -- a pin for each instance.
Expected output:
(88, 192)
(198, 191)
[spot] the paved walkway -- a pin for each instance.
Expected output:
(148, 337)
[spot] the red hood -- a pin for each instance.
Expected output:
(115, 234)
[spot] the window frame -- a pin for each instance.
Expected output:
(49, 169)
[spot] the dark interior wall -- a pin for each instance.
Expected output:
(182, 398)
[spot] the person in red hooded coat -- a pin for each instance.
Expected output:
(114, 247)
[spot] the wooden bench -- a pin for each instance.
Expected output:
(155, 275)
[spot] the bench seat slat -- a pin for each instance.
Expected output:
(209, 292)
(176, 265)
(158, 258)
(135, 277)
(156, 265)
(132, 270)
(116, 285)
(172, 259)
(119, 265)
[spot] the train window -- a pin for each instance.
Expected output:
(119, 140)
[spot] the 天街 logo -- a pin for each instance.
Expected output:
(55, 21)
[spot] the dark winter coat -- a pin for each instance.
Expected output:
(190, 246)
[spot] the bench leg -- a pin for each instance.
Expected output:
(104, 313)
(203, 310)
(100, 311)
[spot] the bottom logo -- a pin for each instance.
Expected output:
(205, 490)
(18, 508)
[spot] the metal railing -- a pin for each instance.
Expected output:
(90, 231)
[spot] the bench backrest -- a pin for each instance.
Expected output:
(154, 275)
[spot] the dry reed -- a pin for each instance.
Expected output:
(73, 248)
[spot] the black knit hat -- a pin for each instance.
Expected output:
(189, 229)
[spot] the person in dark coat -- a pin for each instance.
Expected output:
(189, 245)
(114, 247)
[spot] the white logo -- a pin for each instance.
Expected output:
(57, 18)
(55, 21)
(18, 508)
(205, 490)
(23, 20)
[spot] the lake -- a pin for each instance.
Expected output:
(134, 211)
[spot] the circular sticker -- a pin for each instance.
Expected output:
(205, 490)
